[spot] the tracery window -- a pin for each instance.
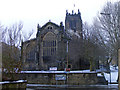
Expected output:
(49, 44)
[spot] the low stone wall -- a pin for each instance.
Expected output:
(82, 78)
(65, 78)
(14, 85)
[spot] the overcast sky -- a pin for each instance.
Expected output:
(32, 12)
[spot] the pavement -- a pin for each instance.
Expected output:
(71, 87)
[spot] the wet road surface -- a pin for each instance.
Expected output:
(72, 87)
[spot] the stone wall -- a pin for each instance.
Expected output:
(28, 55)
(20, 84)
(71, 78)
(82, 78)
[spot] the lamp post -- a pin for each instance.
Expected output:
(108, 14)
(67, 53)
(67, 50)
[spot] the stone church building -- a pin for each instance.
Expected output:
(50, 47)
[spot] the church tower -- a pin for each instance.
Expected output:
(74, 22)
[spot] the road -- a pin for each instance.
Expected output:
(72, 87)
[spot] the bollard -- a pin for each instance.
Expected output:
(119, 68)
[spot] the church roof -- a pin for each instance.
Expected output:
(28, 41)
(51, 24)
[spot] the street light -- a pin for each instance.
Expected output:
(67, 53)
(67, 50)
(105, 13)
(108, 14)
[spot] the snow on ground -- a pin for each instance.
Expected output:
(19, 81)
(99, 74)
(81, 71)
(4, 82)
(114, 74)
(55, 71)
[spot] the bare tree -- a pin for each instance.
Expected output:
(107, 27)
(11, 42)
(92, 49)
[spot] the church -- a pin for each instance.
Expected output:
(56, 46)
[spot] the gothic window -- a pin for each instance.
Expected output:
(49, 28)
(55, 43)
(54, 49)
(43, 43)
(30, 55)
(44, 52)
(49, 44)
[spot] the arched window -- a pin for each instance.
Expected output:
(49, 44)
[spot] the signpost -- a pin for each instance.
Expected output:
(61, 77)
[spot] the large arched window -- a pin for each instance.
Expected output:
(49, 44)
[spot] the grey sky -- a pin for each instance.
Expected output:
(32, 12)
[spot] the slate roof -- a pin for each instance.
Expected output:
(29, 40)
(48, 24)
